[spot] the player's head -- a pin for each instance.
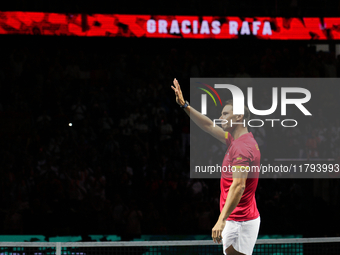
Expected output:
(227, 114)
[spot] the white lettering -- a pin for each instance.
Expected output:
(262, 112)
(298, 101)
(238, 103)
(216, 27)
(289, 120)
(174, 27)
(151, 26)
(211, 169)
(185, 24)
(218, 121)
(245, 28)
(272, 121)
(162, 24)
(238, 123)
(204, 27)
(194, 28)
(233, 25)
(256, 27)
(262, 123)
(266, 28)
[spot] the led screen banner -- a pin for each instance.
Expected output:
(170, 26)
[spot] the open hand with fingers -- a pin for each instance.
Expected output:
(217, 231)
(179, 96)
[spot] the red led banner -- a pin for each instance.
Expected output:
(162, 26)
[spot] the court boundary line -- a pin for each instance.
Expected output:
(59, 245)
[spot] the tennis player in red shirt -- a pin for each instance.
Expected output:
(238, 224)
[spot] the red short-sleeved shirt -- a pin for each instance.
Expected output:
(243, 151)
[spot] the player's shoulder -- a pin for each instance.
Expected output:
(246, 139)
(247, 143)
(250, 141)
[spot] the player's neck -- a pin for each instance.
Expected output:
(238, 131)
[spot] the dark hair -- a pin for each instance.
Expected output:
(246, 115)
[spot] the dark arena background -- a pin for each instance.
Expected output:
(93, 142)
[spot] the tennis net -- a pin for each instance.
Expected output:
(302, 246)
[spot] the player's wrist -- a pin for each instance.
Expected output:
(222, 217)
(181, 102)
(184, 104)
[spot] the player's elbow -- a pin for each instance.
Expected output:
(208, 128)
(239, 185)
